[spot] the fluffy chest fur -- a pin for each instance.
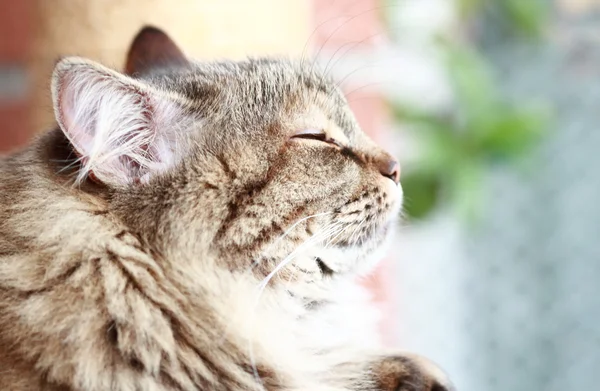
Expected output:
(83, 301)
(196, 227)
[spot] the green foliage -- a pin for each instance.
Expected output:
(422, 194)
(529, 16)
(482, 130)
(523, 17)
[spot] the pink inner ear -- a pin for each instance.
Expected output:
(121, 130)
(106, 122)
(80, 137)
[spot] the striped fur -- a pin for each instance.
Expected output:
(225, 260)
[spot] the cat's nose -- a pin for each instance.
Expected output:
(389, 167)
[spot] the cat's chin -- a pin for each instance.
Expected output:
(396, 194)
(355, 259)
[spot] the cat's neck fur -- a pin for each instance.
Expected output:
(45, 171)
(191, 291)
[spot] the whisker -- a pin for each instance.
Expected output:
(357, 230)
(333, 229)
(304, 54)
(348, 20)
(316, 238)
(261, 287)
(283, 236)
(361, 88)
(348, 50)
(337, 235)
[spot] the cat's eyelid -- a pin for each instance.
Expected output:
(309, 132)
(315, 134)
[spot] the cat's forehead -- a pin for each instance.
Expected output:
(278, 77)
(268, 77)
(270, 86)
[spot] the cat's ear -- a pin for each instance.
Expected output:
(152, 48)
(123, 130)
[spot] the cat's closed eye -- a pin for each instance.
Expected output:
(314, 134)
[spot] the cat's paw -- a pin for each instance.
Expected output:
(408, 372)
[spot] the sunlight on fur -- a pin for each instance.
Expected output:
(222, 214)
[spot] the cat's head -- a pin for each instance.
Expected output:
(258, 164)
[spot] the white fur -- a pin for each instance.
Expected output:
(112, 120)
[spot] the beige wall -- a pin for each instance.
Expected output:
(103, 29)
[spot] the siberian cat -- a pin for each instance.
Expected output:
(196, 226)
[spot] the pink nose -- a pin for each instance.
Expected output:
(390, 168)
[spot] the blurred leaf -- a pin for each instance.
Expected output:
(483, 129)
(433, 134)
(513, 133)
(466, 8)
(466, 189)
(421, 194)
(457, 149)
(470, 79)
(523, 17)
(417, 117)
(528, 16)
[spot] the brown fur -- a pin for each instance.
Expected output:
(160, 284)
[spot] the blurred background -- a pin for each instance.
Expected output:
(491, 107)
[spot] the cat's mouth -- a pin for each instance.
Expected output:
(367, 217)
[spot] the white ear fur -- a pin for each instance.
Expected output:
(123, 130)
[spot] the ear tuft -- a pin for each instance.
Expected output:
(123, 131)
(152, 48)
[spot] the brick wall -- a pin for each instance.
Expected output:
(15, 44)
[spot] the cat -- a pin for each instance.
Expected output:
(197, 226)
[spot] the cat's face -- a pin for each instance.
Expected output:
(258, 164)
